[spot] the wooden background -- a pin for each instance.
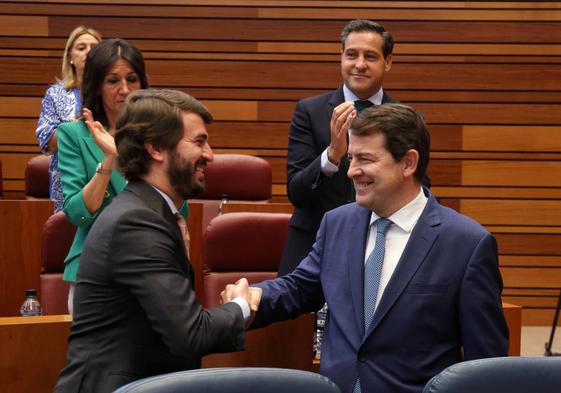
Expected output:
(487, 76)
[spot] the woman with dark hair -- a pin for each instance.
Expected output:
(86, 148)
(62, 102)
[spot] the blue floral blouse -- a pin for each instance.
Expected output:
(59, 105)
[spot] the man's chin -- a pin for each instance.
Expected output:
(195, 191)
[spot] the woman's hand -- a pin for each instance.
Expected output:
(100, 135)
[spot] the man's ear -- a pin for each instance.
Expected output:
(156, 153)
(388, 60)
(410, 161)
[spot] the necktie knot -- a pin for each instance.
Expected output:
(382, 225)
(362, 104)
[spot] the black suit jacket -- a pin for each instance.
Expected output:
(310, 191)
(136, 314)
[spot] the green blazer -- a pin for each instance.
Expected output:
(79, 156)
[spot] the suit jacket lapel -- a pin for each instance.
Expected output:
(423, 237)
(155, 202)
(356, 265)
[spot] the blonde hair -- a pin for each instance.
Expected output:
(68, 71)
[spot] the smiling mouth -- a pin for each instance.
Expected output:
(362, 185)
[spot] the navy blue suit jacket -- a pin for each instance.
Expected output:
(444, 297)
(309, 190)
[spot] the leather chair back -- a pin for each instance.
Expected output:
(236, 177)
(37, 177)
(234, 380)
(58, 234)
(250, 245)
(501, 374)
(242, 245)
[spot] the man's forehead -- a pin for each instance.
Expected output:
(365, 142)
(193, 124)
(373, 39)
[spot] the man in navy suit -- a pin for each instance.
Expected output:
(317, 146)
(437, 300)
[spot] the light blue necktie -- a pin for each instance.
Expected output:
(372, 274)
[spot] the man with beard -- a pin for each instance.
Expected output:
(136, 314)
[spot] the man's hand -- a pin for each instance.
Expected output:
(341, 119)
(232, 291)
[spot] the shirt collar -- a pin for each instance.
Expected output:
(406, 217)
(168, 200)
(376, 99)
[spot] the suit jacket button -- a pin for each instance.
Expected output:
(361, 356)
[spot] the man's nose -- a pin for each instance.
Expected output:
(207, 153)
(360, 62)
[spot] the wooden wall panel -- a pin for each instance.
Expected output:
(489, 91)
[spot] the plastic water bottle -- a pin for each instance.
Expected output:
(31, 306)
(321, 320)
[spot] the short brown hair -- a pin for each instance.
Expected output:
(403, 129)
(151, 116)
(367, 26)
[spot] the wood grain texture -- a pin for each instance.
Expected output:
(488, 89)
(33, 352)
(20, 250)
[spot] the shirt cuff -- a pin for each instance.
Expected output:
(327, 167)
(240, 301)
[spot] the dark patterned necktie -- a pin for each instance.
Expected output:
(372, 275)
(362, 104)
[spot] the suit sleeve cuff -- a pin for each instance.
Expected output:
(240, 301)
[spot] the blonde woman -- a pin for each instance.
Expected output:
(62, 102)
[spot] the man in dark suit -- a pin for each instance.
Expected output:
(412, 286)
(317, 145)
(135, 311)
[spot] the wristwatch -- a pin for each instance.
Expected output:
(99, 169)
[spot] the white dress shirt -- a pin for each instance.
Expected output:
(403, 222)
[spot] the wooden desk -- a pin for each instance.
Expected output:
(20, 250)
(513, 316)
(33, 351)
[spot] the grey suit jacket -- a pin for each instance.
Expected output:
(136, 314)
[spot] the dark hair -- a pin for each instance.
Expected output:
(151, 116)
(403, 129)
(365, 26)
(99, 59)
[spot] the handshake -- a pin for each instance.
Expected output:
(242, 289)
